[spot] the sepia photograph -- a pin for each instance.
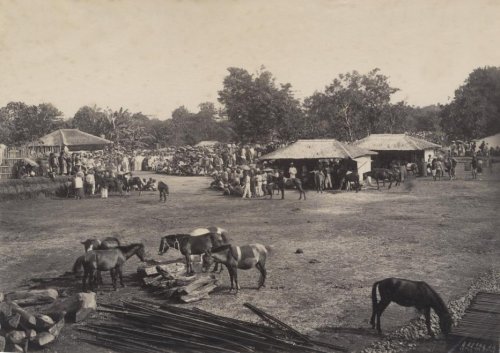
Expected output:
(250, 176)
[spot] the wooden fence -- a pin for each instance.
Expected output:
(10, 156)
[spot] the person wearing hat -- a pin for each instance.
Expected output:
(292, 171)
(78, 184)
(247, 184)
(90, 182)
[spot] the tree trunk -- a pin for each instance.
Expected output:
(27, 319)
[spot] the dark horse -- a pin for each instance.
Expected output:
(242, 257)
(385, 174)
(111, 260)
(348, 177)
(199, 242)
(281, 182)
(163, 189)
(410, 293)
(105, 244)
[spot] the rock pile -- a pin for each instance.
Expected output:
(21, 328)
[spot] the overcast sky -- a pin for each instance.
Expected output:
(153, 56)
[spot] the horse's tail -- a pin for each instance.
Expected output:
(78, 264)
(374, 294)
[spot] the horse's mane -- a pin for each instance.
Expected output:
(439, 304)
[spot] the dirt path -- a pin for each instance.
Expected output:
(442, 232)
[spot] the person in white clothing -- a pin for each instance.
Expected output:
(258, 188)
(246, 187)
(292, 171)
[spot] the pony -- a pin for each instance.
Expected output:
(199, 242)
(96, 244)
(349, 178)
(111, 260)
(410, 293)
(385, 174)
(163, 189)
(243, 257)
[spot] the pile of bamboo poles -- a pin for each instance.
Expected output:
(147, 327)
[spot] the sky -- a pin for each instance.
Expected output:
(153, 56)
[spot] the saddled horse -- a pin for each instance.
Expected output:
(240, 257)
(385, 174)
(410, 294)
(349, 178)
(199, 242)
(111, 260)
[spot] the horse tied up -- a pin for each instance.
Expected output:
(111, 260)
(242, 257)
(199, 242)
(410, 293)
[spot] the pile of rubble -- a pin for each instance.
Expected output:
(168, 280)
(38, 327)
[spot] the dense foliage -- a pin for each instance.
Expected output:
(255, 108)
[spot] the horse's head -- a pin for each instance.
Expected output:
(219, 254)
(167, 242)
(207, 262)
(91, 244)
(445, 322)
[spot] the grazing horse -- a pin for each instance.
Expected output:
(163, 189)
(199, 242)
(242, 257)
(111, 260)
(410, 293)
(385, 174)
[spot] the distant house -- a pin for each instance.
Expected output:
(400, 147)
(74, 139)
(309, 152)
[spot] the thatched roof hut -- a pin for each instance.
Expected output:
(74, 139)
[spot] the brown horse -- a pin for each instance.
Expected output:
(163, 189)
(385, 174)
(410, 293)
(111, 260)
(242, 257)
(199, 242)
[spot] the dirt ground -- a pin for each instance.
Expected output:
(444, 233)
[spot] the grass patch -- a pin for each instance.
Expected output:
(30, 188)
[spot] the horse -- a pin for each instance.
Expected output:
(349, 178)
(96, 244)
(137, 182)
(410, 293)
(111, 260)
(385, 174)
(243, 257)
(163, 189)
(412, 168)
(199, 242)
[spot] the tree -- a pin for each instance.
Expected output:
(475, 109)
(395, 118)
(257, 108)
(351, 107)
(92, 120)
(21, 123)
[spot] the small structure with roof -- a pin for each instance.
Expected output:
(73, 139)
(309, 152)
(400, 147)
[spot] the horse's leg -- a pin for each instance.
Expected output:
(378, 186)
(112, 272)
(382, 305)
(427, 314)
(120, 273)
(84, 279)
(91, 276)
(189, 267)
(235, 276)
(231, 276)
(263, 274)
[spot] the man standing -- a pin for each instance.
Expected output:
(292, 171)
(473, 165)
(246, 186)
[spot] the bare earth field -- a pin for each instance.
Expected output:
(445, 233)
